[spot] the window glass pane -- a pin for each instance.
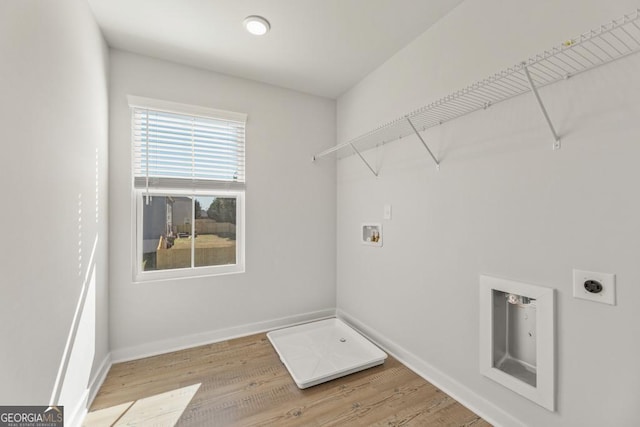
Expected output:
(215, 242)
(166, 233)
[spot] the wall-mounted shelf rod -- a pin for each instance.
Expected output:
(364, 160)
(534, 90)
(612, 41)
(424, 143)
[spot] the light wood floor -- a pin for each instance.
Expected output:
(242, 382)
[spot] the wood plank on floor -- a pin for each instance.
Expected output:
(242, 382)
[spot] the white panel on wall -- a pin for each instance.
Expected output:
(517, 337)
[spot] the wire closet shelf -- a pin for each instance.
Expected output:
(614, 40)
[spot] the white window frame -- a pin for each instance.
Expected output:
(138, 201)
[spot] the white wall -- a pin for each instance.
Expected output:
(503, 204)
(290, 214)
(53, 246)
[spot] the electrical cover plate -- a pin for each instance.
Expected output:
(608, 281)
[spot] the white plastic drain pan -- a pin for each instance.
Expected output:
(322, 351)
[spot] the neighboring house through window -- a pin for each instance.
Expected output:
(188, 184)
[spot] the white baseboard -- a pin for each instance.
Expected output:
(99, 377)
(487, 410)
(76, 417)
(181, 343)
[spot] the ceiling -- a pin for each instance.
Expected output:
(322, 47)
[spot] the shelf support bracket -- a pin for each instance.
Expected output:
(363, 159)
(424, 143)
(534, 89)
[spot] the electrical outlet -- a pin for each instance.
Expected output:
(592, 286)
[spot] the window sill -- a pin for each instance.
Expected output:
(186, 273)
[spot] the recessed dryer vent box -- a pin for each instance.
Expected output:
(517, 337)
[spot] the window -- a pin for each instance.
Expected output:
(188, 184)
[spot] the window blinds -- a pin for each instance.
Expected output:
(174, 150)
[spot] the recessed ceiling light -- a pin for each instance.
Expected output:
(256, 25)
